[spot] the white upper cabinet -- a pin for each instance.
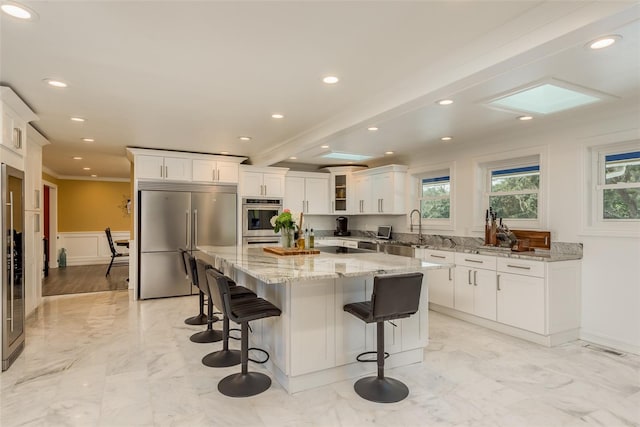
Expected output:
(307, 192)
(262, 182)
(381, 190)
(186, 167)
(163, 168)
(214, 171)
(15, 117)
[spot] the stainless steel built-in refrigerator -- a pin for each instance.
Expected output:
(179, 216)
(12, 265)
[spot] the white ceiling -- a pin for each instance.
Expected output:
(194, 76)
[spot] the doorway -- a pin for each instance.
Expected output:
(50, 213)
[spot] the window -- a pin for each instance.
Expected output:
(514, 192)
(435, 197)
(619, 186)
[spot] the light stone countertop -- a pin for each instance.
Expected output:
(272, 268)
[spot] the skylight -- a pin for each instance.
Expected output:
(346, 156)
(545, 98)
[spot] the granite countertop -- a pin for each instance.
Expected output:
(272, 268)
(537, 255)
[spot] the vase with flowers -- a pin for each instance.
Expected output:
(286, 224)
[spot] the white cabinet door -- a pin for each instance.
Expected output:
(150, 167)
(463, 290)
(273, 185)
(294, 194)
(252, 184)
(441, 287)
(484, 297)
(228, 172)
(317, 195)
(176, 169)
(364, 195)
(204, 170)
(14, 131)
(521, 301)
(382, 193)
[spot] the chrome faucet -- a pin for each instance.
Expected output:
(420, 237)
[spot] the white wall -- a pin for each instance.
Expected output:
(87, 248)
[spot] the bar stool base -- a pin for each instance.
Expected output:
(200, 319)
(381, 390)
(244, 385)
(208, 336)
(222, 359)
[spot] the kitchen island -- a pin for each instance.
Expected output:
(314, 342)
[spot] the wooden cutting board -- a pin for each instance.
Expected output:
(537, 239)
(290, 251)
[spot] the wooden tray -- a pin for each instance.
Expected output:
(290, 251)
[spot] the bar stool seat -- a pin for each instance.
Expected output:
(242, 311)
(394, 297)
(225, 357)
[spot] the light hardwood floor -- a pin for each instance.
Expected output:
(85, 278)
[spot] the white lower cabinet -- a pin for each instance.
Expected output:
(521, 301)
(440, 282)
(475, 285)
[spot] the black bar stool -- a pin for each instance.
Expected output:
(242, 311)
(209, 334)
(225, 357)
(200, 318)
(393, 297)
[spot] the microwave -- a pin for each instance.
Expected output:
(256, 216)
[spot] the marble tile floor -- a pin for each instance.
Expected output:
(103, 359)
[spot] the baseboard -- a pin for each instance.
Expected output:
(93, 261)
(609, 342)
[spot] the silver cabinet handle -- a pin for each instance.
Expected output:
(17, 138)
(437, 256)
(469, 277)
(333, 206)
(186, 231)
(11, 259)
(161, 170)
(195, 227)
(522, 267)
(307, 206)
(213, 171)
(381, 205)
(166, 171)
(303, 206)
(449, 274)
(475, 277)
(498, 282)
(474, 260)
(218, 174)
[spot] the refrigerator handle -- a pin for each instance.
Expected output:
(187, 231)
(11, 259)
(195, 227)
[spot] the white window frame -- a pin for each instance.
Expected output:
(489, 184)
(507, 160)
(595, 182)
(432, 171)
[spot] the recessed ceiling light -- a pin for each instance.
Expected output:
(603, 42)
(18, 11)
(77, 158)
(324, 146)
(293, 158)
(55, 83)
(88, 139)
(277, 116)
(87, 169)
(330, 80)
(446, 138)
(244, 138)
(77, 119)
(525, 118)
(388, 152)
(445, 102)
(94, 175)
(224, 152)
(372, 128)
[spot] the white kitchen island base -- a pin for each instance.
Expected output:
(314, 342)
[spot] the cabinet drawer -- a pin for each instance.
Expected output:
(521, 266)
(439, 256)
(349, 244)
(476, 261)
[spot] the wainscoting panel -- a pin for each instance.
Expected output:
(86, 248)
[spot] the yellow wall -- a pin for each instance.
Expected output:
(92, 205)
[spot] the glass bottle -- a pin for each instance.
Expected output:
(311, 240)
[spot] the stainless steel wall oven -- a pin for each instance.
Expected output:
(256, 219)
